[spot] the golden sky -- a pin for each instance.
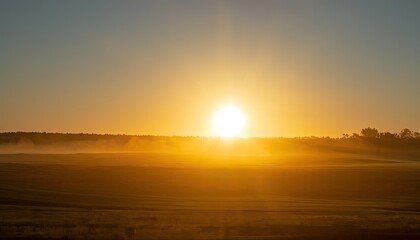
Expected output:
(294, 68)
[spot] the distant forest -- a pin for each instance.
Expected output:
(373, 133)
(366, 134)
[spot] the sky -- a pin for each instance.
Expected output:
(294, 68)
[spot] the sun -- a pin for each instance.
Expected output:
(229, 121)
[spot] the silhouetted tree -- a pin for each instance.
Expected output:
(354, 136)
(406, 133)
(370, 132)
(388, 136)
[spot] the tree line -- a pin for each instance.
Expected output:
(373, 133)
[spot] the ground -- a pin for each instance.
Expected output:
(193, 196)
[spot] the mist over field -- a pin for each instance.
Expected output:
(369, 140)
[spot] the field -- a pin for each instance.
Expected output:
(193, 196)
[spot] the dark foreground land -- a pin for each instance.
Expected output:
(168, 196)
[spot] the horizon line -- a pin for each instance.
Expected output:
(191, 136)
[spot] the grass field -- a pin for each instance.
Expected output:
(193, 196)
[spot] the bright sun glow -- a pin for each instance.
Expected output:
(228, 121)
